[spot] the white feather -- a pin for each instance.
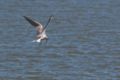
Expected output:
(38, 40)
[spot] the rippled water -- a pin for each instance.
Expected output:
(84, 40)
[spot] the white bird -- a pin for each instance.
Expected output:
(41, 31)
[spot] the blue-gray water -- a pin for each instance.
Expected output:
(84, 40)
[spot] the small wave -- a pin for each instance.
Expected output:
(37, 41)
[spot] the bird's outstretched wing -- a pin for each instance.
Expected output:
(36, 24)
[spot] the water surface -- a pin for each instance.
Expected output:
(84, 40)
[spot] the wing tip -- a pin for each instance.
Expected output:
(25, 17)
(31, 21)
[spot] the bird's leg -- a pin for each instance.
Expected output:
(46, 40)
(40, 41)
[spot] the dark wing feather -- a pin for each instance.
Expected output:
(32, 22)
(37, 25)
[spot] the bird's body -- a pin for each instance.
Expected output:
(41, 31)
(41, 36)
